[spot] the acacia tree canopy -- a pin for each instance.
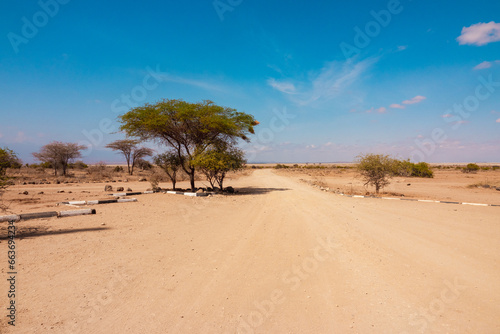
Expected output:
(132, 153)
(376, 169)
(8, 159)
(59, 154)
(189, 128)
(216, 162)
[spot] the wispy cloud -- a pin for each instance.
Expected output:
(382, 110)
(329, 82)
(284, 87)
(486, 64)
(447, 115)
(397, 106)
(416, 99)
(480, 34)
(498, 120)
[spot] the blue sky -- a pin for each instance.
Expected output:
(327, 80)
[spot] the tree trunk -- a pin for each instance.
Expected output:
(377, 188)
(191, 178)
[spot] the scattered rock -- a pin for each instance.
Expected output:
(409, 184)
(40, 193)
(60, 191)
(24, 193)
(108, 188)
(229, 190)
(149, 189)
(69, 192)
(129, 189)
(142, 179)
(120, 189)
(200, 191)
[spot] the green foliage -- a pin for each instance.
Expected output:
(422, 169)
(170, 162)
(375, 169)
(216, 162)
(143, 164)
(495, 167)
(8, 159)
(281, 166)
(189, 128)
(406, 168)
(76, 165)
(471, 168)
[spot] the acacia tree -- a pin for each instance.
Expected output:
(188, 128)
(376, 169)
(8, 159)
(59, 154)
(170, 163)
(132, 153)
(216, 162)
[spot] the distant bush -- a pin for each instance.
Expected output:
(118, 169)
(406, 168)
(143, 164)
(78, 165)
(471, 168)
(495, 167)
(281, 166)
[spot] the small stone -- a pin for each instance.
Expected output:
(108, 188)
(120, 189)
(129, 189)
(60, 191)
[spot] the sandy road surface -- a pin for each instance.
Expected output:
(280, 257)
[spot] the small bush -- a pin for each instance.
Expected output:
(78, 165)
(281, 166)
(118, 169)
(471, 168)
(406, 168)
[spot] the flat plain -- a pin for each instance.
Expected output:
(279, 256)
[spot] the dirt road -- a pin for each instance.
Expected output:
(279, 257)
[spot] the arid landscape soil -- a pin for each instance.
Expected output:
(279, 256)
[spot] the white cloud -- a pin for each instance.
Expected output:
(284, 87)
(480, 34)
(486, 64)
(498, 120)
(329, 82)
(402, 47)
(447, 115)
(397, 106)
(370, 110)
(416, 99)
(382, 110)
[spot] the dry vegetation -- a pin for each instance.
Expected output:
(449, 182)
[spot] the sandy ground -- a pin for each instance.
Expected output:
(278, 257)
(447, 185)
